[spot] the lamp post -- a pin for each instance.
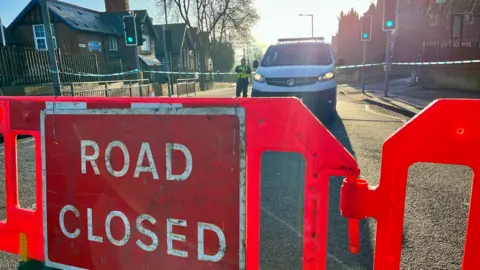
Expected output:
(308, 15)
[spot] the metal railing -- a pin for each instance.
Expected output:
(131, 88)
(184, 85)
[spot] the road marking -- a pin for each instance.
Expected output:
(367, 108)
(331, 256)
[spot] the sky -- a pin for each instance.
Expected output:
(279, 18)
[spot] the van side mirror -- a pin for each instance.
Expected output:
(340, 62)
(255, 64)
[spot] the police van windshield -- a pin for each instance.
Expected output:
(300, 54)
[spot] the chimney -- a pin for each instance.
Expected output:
(116, 5)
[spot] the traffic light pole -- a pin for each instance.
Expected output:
(166, 61)
(50, 48)
(139, 72)
(387, 61)
(363, 65)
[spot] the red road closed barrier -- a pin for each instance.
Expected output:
(138, 183)
(446, 132)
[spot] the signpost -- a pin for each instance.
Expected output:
(390, 10)
(142, 187)
(365, 37)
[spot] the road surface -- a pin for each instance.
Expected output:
(436, 208)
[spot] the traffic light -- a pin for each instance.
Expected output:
(130, 30)
(366, 33)
(140, 28)
(390, 8)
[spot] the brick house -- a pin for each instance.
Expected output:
(78, 30)
(190, 46)
(425, 29)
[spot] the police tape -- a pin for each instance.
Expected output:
(437, 63)
(98, 75)
(196, 74)
(357, 66)
(190, 73)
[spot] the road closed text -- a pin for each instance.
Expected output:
(116, 160)
(140, 225)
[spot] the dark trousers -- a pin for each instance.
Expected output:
(242, 87)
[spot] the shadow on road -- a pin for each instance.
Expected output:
(282, 210)
(339, 256)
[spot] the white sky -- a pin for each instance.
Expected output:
(279, 18)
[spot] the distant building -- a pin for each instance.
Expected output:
(424, 32)
(78, 30)
(189, 47)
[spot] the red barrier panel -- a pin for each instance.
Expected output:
(446, 132)
(105, 159)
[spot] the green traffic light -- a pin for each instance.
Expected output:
(130, 39)
(389, 23)
(365, 35)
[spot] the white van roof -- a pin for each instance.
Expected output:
(298, 40)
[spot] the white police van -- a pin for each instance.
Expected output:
(302, 68)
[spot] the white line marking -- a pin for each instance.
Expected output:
(367, 108)
(53, 105)
(155, 105)
(331, 256)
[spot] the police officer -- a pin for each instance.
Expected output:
(243, 71)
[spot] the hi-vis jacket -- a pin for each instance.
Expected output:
(243, 72)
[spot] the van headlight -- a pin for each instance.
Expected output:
(259, 78)
(326, 77)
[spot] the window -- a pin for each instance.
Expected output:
(433, 19)
(113, 43)
(468, 18)
(301, 54)
(146, 44)
(40, 38)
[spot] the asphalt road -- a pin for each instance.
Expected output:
(436, 207)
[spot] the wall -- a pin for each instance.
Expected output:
(450, 77)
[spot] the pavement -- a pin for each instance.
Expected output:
(402, 97)
(436, 207)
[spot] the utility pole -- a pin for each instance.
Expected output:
(50, 48)
(390, 10)
(137, 60)
(365, 37)
(4, 42)
(311, 18)
(166, 61)
(387, 62)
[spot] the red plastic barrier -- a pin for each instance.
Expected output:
(446, 132)
(271, 124)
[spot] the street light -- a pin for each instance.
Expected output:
(308, 15)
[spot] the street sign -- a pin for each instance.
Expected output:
(143, 187)
(155, 183)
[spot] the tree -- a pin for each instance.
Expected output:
(349, 44)
(223, 56)
(447, 7)
(222, 19)
(255, 53)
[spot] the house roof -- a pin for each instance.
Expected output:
(150, 60)
(84, 19)
(178, 31)
(193, 34)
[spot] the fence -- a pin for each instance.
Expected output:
(29, 66)
(444, 51)
(134, 88)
